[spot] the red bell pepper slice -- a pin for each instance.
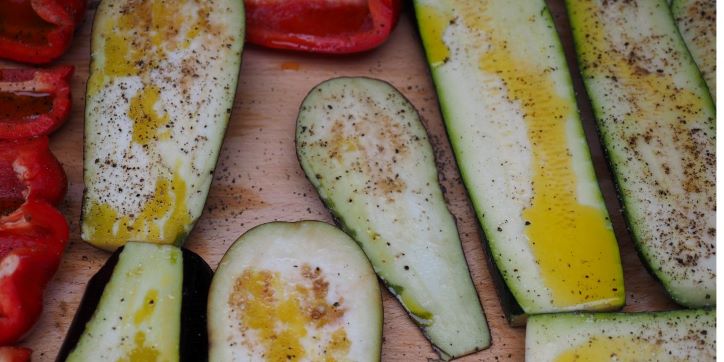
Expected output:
(321, 26)
(15, 354)
(38, 31)
(32, 240)
(28, 170)
(33, 102)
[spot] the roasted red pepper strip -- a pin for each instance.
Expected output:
(28, 170)
(321, 26)
(33, 102)
(32, 240)
(14, 354)
(38, 31)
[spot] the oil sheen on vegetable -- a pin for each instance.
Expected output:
(163, 77)
(531, 181)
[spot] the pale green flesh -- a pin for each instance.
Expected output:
(488, 130)
(657, 123)
(158, 100)
(284, 249)
(139, 314)
(364, 149)
(685, 335)
(696, 20)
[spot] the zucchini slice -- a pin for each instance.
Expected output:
(685, 335)
(162, 82)
(148, 302)
(363, 147)
(696, 20)
(512, 119)
(294, 292)
(657, 123)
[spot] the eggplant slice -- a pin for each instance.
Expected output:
(299, 291)
(363, 147)
(147, 301)
(162, 81)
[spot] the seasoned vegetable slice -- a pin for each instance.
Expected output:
(512, 118)
(686, 335)
(294, 292)
(147, 303)
(657, 123)
(696, 20)
(363, 147)
(162, 81)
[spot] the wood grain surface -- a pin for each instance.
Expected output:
(258, 180)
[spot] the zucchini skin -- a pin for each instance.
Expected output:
(157, 107)
(449, 340)
(514, 313)
(482, 109)
(696, 20)
(662, 151)
(293, 260)
(197, 275)
(681, 335)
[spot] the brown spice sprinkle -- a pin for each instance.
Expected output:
(697, 24)
(276, 315)
(371, 143)
(139, 85)
(666, 165)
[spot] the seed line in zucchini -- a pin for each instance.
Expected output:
(657, 123)
(148, 302)
(300, 291)
(512, 119)
(684, 335)
(162, 82)
(696, 20)
(363, 147)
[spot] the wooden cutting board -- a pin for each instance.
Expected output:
(258, 180)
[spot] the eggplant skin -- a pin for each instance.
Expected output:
(91, 298)
(197, 276)
(197, 280)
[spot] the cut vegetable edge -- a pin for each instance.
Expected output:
(146, 298)
(149, 160)
(381, 130)
(307, 275)
(696, 21)
(450, 32)
(686, 137)
(653, 336)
